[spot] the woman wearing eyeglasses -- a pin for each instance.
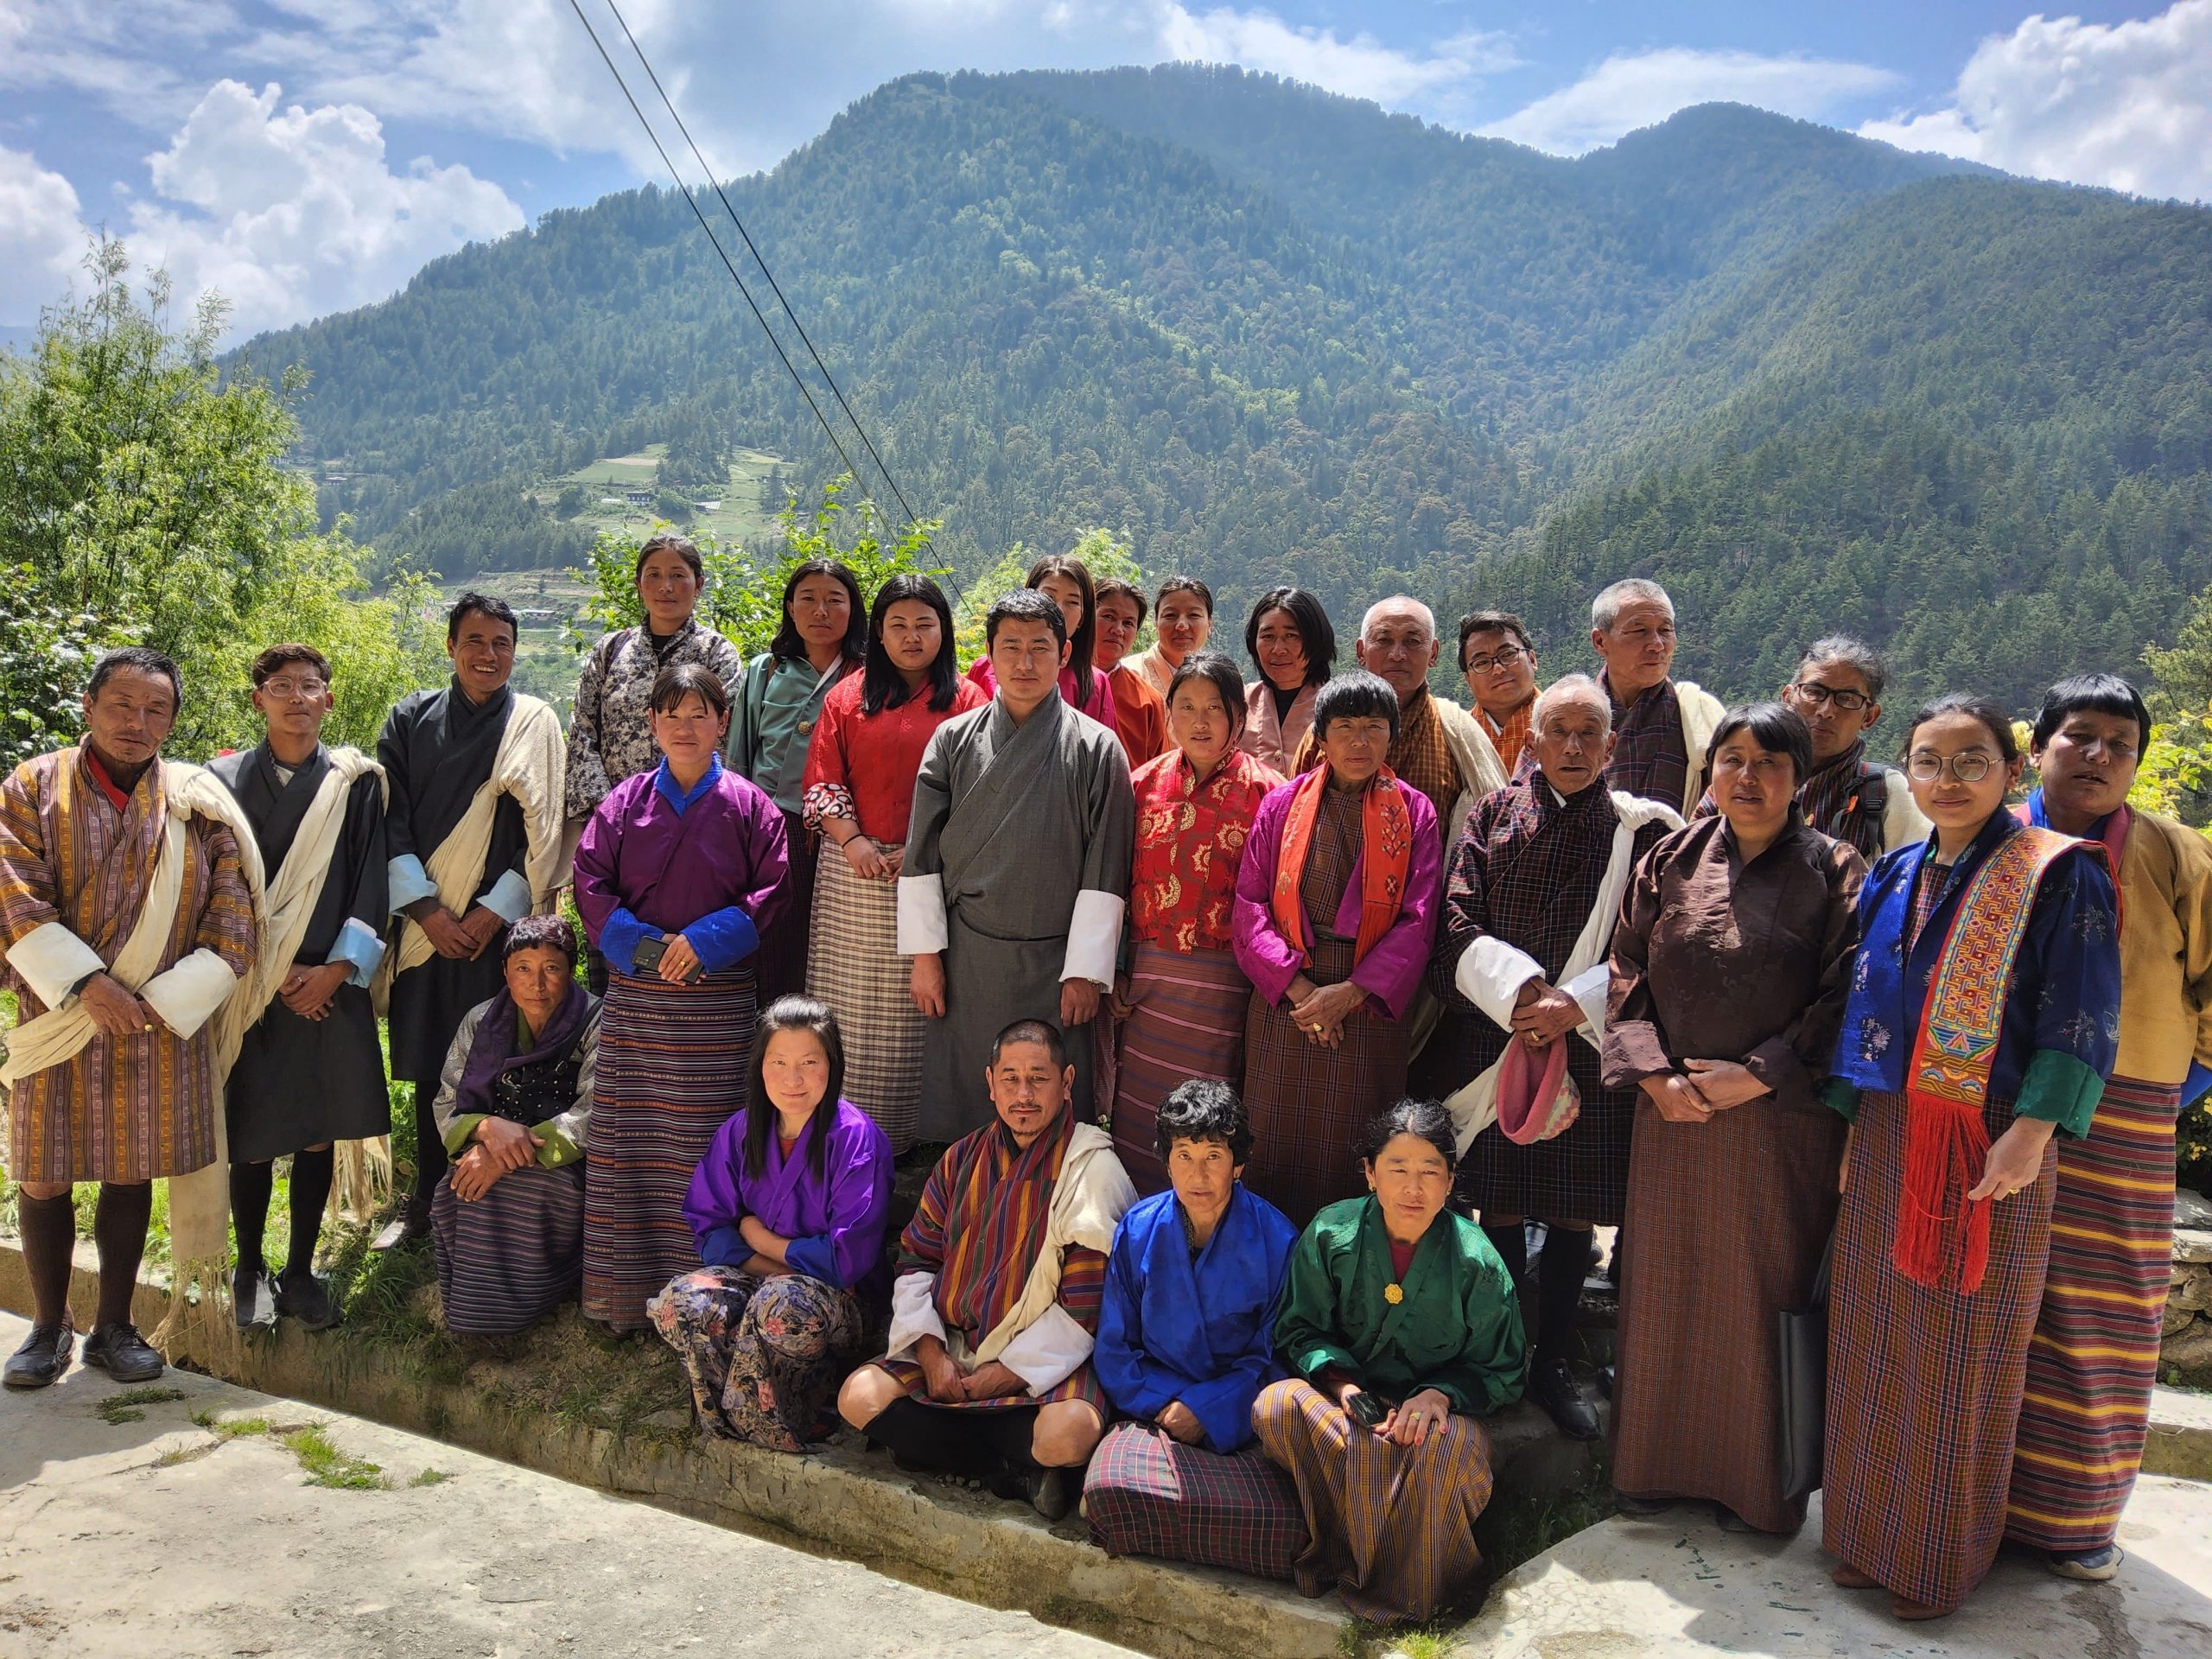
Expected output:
(1837, 692)
(1983, 1019)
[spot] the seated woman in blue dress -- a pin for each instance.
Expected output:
(1186, 1344)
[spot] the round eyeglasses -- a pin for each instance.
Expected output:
(1926, 767)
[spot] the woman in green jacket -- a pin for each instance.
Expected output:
(1399, 1328)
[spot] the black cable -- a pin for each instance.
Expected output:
(773, 284)
(685, 189)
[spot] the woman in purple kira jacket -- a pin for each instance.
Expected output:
(789, 1206)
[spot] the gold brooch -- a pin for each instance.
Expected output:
(1394, 1294)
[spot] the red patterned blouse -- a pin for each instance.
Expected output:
(1190, 839)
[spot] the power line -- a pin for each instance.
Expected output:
(708, 172)
(828, 431)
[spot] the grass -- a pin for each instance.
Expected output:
(431, 1477)
(326, 1465)
(119, 1408)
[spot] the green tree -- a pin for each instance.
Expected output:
(743, 594)
(49, 655)
(143, 501)
(1103, 553)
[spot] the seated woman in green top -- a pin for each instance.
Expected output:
(1400, 1328)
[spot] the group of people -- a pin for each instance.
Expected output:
(1282, 1039)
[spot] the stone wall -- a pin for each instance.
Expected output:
(2185, 1348)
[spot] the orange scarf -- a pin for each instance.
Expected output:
(1386, 830)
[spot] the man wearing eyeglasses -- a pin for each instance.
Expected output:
(310, 1072)
(1498, 663)
(1837, 690)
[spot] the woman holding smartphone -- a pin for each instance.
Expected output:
(679, 872)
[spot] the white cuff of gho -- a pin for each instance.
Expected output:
(921, 914)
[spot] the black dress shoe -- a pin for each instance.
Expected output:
(1641, 1507)
(301, 1296)
(43, 1356)
(402, 1232)
(119, 1351)
(1552, 1385)
(253, 1299)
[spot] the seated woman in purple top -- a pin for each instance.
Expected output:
(789, 1206)
(679, 870)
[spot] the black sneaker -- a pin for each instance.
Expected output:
(301, 1296)
(43, 1356)
(253, 1300)
(1552, 1386)
(1052, 1494)
(119, 1351)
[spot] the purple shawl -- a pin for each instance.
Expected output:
(493, 1049)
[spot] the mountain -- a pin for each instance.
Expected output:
(1810, 381)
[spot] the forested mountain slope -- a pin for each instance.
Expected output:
(1809, 380)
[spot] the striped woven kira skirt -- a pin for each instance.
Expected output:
(673, 1061)
(2094, 1354)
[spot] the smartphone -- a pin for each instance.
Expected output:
(1367, 1409)
(645, 962)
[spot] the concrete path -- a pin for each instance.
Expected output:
(1677, 1586)
(152, 1535)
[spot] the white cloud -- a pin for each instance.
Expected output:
(42, 239)
(2127, 105)
(1637, 90)
(289, 213)
(1361, 67)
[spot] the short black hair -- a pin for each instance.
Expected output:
(278, 656)
(1182, 584)
(1024, 605)
(1033, 1031)
(1475, 622)
(1315, 631)
(1114, 587)
(144, 659)
(1777, 729)
(1427, 1119)
(1352, 694)
(668, 542)
(882, 686)
(681, 680)
(1217, 671)
(1203, 1109)
(489, 605)
(548, 932)
(788, 646)
(2101, 694)
(1982, 709)
(1851, 652)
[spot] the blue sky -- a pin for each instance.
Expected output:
(305, 155)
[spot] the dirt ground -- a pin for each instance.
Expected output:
(191, 1518)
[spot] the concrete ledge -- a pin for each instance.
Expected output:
(2180, 1441)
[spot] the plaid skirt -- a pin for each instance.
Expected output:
(1149, 1494)
(1306, 1104)
(2094, 1356)
(1924, 1384)
(1729, 1217)
(673, 1066)
(853, 965)
(1391, 1528)
(1579, 1175)
(508, 1259)
(1187, 1020)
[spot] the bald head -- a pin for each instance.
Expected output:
(1397, 640)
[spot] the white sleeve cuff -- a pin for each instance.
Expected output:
(510, 898)
(408, 882)
(188, 994)
(921, 914)
(1490, 976)
(51, 959)
(1589, 987)
(1047, 1352)
(914, 1314)
(1094, 937)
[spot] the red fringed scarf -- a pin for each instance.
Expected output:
(1387, 850)
(1941, 1236)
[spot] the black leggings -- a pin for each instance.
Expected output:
(974, 1445)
